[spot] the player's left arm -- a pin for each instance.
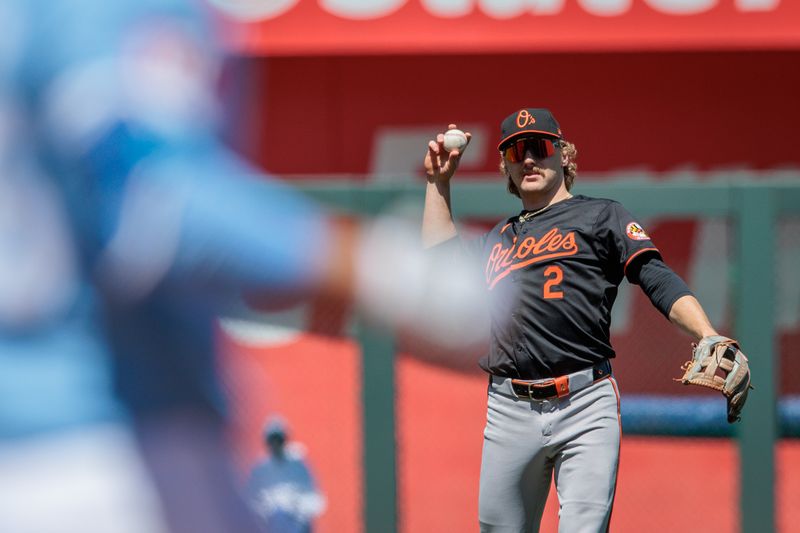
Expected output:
(689, 316)
(670, 295)
(712, 352)
(640, 261)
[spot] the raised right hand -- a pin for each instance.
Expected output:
(440, 165)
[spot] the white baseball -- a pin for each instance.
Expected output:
(454, 140)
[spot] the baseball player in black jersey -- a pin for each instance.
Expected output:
(552, 271)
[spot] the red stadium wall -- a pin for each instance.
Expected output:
(660, 111)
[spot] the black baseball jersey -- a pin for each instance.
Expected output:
(553, 277)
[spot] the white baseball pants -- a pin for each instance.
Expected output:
(526, 442)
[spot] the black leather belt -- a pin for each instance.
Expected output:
(555, 387)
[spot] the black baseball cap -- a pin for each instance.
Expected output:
(529, 121)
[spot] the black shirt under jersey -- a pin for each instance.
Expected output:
(553, 279)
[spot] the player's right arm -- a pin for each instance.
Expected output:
(437, 217)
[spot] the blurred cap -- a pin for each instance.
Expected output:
(275, 427)
(530, 121)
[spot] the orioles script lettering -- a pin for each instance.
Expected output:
(553, 244)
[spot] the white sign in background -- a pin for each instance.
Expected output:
(258, 10)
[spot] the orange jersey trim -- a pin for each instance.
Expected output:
(637, 254)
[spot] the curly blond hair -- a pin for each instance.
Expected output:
(570, 169)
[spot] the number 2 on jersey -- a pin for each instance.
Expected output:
(554, 276)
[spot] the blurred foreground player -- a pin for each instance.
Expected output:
(123, 193)
(553, 271)
(126, 229)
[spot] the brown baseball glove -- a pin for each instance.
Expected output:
(719, 364)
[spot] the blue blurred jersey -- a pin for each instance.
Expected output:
(132, 226)
(283, 493)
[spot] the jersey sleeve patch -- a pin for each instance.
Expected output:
(636, 232)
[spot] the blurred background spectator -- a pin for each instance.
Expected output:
(281, 488)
